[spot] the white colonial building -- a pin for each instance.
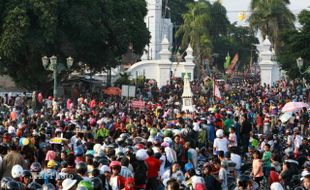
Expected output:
(156, 61)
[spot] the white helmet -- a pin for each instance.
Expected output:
(17, 171)
(219, 133)
(141, 155)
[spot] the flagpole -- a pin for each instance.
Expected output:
(213, 90)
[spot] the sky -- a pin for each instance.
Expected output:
(233, 7)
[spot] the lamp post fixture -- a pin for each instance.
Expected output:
(300, 64)
(50, 63)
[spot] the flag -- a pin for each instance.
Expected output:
(233, 64)
(216, 91)
(227, 61)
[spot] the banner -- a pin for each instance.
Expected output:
(233, 64)
(216, 91)
(227, 61)
(138, 104)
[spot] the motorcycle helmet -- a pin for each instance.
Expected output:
(48, 186)
(219, 133)
(35, 167)
(27, 174)
(34, 186)
(12, 185)
(78, 151)
(87, 184)
(17, 171)
(4, 181)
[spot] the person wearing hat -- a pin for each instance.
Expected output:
(117, 182)
(69, 184)
(49, 173)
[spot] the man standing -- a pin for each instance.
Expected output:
(153, 165)
(245, 133)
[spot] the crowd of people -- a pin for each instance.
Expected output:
(237, 142)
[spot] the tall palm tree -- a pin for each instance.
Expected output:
(271, 17)
(195, 31)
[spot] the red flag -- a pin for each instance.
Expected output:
(233, 64)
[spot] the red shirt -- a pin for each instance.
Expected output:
(153, 165)
(273, 177)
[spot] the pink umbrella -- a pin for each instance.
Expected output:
(294, 106)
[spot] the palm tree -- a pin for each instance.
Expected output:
(271, 17)
(194, 31)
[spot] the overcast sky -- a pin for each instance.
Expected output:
(235, 6)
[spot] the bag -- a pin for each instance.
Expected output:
(200, 186)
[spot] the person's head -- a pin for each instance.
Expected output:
(125, 161)
(175, 167)
(207, 169)
(232, 130)
(267, 147)
(306, 182)
(115, 167)
(172, 184)
(176, 139)
(26, 177)
(191, 172)
(150, 152)
(256, 154)
(220, 154)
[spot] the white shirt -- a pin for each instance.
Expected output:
(167, 175)
(232, 140)
(297, 141)
(162, 165)
(220, 144)
(194, 156)
(114, 183)
(223, 178)
(236, 159)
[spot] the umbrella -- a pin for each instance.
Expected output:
(286, 116)
(113, 91)
(294, 106)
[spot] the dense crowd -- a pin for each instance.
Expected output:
(237, 142)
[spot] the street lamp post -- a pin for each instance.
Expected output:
(50, 63)
(300, 64)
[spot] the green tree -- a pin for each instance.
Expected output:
(296, 44)
(95, 32)
(195, 31)
(271, 17)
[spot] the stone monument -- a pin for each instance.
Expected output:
(270, 72)
(187, 95)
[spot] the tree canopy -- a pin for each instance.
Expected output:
(296, 44)
(271, 17)
(95, 32)
(208, 30)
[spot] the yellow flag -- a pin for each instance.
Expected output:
(241, 16)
